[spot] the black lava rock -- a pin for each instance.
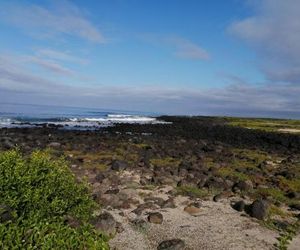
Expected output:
(173, 244)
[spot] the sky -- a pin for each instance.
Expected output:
(191, 57)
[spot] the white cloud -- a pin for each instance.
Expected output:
(187, 49)
(20, 85)
(63, 18)
(180, 47)
(14, 77)
(274, 31)
(50, 65)
(60, 56)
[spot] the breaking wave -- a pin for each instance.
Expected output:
(77, 122)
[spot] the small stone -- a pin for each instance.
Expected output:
(169, 203)
(294, 195)
(217, 197)
(111, 200)
(156, 218)
(192, 210)
(144, 181)
(157, 200)
(173, 244)
(5, 213)
(119, 227)
(187, 182)
(245, 185)
(54, 145)
(164, 180)
(239, 206)
(100, 177)
(119, 165)
(112, 191)
(72, 221)
(140, 224)
(8, 144)
(148, 205)
(295, 206)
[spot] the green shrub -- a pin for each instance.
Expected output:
(275, 193)
(195, 192)
(42, 192)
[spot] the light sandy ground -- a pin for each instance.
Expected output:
(218, 226)
(289, 130)
(295, 243)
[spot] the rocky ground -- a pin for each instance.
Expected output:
(194, 184)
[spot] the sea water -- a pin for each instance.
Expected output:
(20, 115)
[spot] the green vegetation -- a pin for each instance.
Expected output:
(244, 160)
(230, 172)
(99, 160)
(292, 185)
(196, 192)
(251, 156)
(277, 211)
(275, 193)
(41, 193)
(271, 125)
(165, 162)
(287, 235)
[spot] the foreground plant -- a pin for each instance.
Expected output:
(39, 197)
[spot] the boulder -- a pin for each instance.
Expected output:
(259, 209)
(106, 223)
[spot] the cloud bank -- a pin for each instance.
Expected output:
(281, 100)
(187, 49)
(179, 46)
(61, 18)
(274, 32)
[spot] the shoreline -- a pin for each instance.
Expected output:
(189, 174)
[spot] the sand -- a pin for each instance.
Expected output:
(218, 226)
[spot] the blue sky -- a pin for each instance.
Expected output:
(231, 57)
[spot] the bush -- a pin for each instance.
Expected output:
(42, 193)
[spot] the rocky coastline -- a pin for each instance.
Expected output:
(194, 183)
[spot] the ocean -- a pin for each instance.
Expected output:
(25, 115)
